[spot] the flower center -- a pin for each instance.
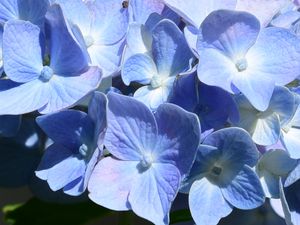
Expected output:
(83, 150)
(89, 41)
(216, 171)
(241, 65)
(145, 163)
(156, 81)
(46, 74)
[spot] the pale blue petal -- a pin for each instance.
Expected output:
(77, 12)
(216, 69)
(9, 10)
(110, 21)
(153, 97)
(22, 54)
(111, 182)
(153, 193)
(225, 30)
(282, 103)
(293, 176)
(65, 172)
(245, 190)
(191, 36)
(275, 55)
(132, 128)
(178, 142)
(67, 91)
(53, 155)
(195, 11)
(16, 99)
(139, 68)
(64, 127)
(68, 57)
(108, 58)
(171, 53)
(264, 10)
(207, 203)
(292, 142)
(267, 130)
(141, 9)
(138, 39)
(257, 88)
(286, 20)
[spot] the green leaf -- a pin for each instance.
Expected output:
(182, 215)
(37, 212)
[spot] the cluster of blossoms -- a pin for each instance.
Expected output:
(201, 97)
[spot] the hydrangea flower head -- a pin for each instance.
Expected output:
(78, 142)
(31, 85)
(222, 174)
(150, 155)
(236, 54)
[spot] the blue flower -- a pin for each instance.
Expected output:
(78, 143)
(100, 26)
(27, 10)
(150, 155)
(236, 54)
(213, 105)
(265, 126)
(221, 177)
(170, 56)
(31, 85)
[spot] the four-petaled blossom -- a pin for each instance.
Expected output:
(237, 55)
(265, 126)
(150, 155)
(222, 178)
(170, 56)
(78, 143)
(31, 85)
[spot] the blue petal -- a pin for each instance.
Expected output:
(110, 22)
(132, 128)
(152, 194)
(16, 99)
(153, 97)
(257, 88)
(68, 58)
(64, 127)
(195, 11)
(225, 30)
(141, 10)
(171, 53)
(245, 190)
(139, 68)
(67, 91)
(275, 55)
(216, 69)
(179, 141)
(22, 54)
(24, 10)
(264, 10)
(293, 176)
(207, 203)
(236, 145)
(108, 58)
(267, 130)
(111, 181)
(97, 112)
